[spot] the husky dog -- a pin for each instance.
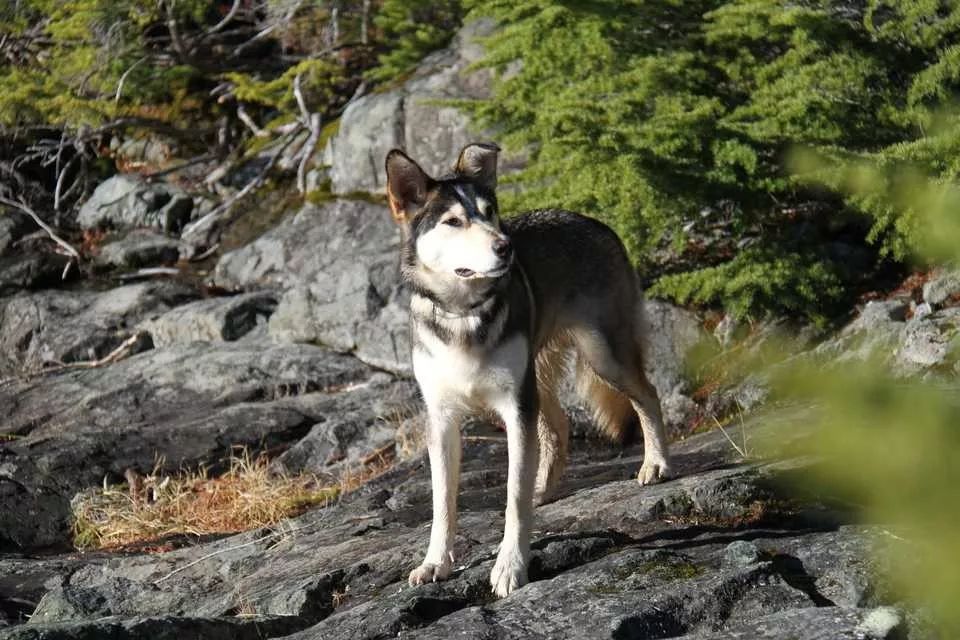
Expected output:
(496, 307)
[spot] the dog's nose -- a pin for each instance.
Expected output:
(501, 247)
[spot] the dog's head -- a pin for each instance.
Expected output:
(451, 224)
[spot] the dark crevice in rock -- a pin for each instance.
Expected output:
(690, 537)
(553, 555)
(423, 611)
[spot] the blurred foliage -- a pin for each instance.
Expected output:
(661, 117)
(889, 445)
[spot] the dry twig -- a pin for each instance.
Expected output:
(23, 208)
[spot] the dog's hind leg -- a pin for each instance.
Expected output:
(553, 428)
(618, 360)
(553, 434)
(444, 448)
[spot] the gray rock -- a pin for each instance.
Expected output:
(51, 327)
(127, 201)
(609, 559)
(829, 623)
(671, 333)
(32, 270)
(942, 287)
(928, 342)
(13, 226)
(740, 553)
(24, 580)
(139, 248)
(158, 628)
(874, 333)
(213, 320)
(338, 268)
(411, 118)
(154, 150)
(186, 405)
(369, 128)
(351, 427)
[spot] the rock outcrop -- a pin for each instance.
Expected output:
(417, 116)
(126, 201)
(336, 270)
(708, 555)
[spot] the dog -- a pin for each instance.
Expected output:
(498, 308)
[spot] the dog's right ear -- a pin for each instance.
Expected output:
(407, 185)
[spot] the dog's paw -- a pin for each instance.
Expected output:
(509, 573)
(429, 572)
(653, 471)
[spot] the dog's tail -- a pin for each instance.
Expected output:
(612, 411)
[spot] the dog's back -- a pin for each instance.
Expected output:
(578, 270)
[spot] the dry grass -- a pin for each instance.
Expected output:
(248, 496)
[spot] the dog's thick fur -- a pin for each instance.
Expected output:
(496, 310)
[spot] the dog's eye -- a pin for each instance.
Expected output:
(453, 222)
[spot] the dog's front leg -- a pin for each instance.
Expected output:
(443, 446)
(520, 417)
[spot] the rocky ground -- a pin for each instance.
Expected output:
(295, 343)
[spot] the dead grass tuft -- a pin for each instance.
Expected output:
(248, 496)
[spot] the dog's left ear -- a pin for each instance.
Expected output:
(478, 161)
(407, 185)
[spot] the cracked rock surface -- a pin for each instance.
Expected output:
(716, 553)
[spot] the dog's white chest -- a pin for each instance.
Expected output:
(476, 376)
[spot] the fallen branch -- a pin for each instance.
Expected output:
(149, 272)
(119, 352)
(23, 208)
(253, 126)
(380, 454)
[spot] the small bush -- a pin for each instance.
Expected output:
(649, 114)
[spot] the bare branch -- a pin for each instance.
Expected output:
(149, 272)
(203, 229)
(180, 167)
(364, 23)
(227, 19)
(23, 208)
(253, 126)
(260, 35)
(58, 189)
(298, 94)
(312, 122)
(123, 78)
(174, 30)
(307, 152)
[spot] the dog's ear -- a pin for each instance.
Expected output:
(478, 161)
(407, 184)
